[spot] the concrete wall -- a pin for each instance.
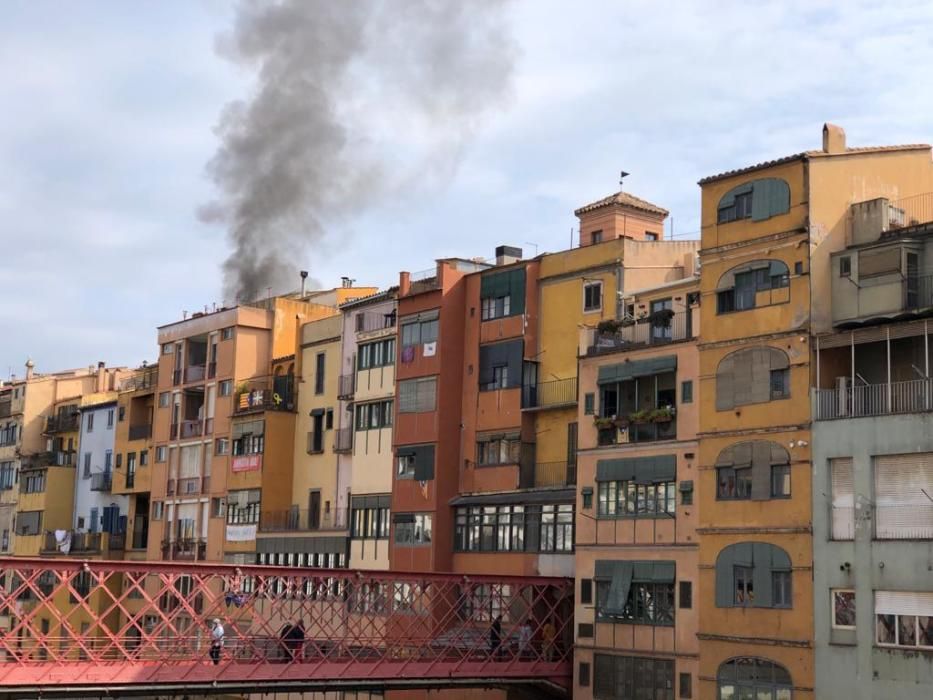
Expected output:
(851, 666)
(97, 443)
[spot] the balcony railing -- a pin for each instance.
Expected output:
(264, 399)
(189, 486)
(79, 543)
(555, 474)
(655, 329)
(302, 520)
(343, 440)
(918, 292)
(140, 432)
(102, 481)
(184, 549)
(369, 321)
(187, 429)
(195, 373)
(910, 211)
(346, 385)
(423, 281)
(39, 461)
(648, 426)
(559, 392)
(914, 396)
(62, 424)
(147, 378)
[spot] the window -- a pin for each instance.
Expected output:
(110, 418)
(168, 348)
(222, 446)
(757, 200)
(498, 449)
(686, 392)
(143, 458)
(5, 542)
(596, 236)
(753, 574)
(33, 482)
(218, 508)
(87, 465)
(165, 399)
(405, 466)
(586, 591)
(226, 333)
(631, 499)
(686, 685)
(90, 422)
(157, 508)
(417, 395)
(502, 294)
(373, 416)
(843, 608)
(780, 481)
(7, 476)
(751, 285)
(845, 266)
(592, 296)
(378, 354)
(750, 376)
(108, 460)
(686, 595)
(243, 507)
(798, 268)
(225, 387)
(642, 399)
(589, 403)
(647, 603)
(412, 529)
(29, 522)
(904, 619)
(903, 485)
(500, 365)
(419, 332)
(415, 462)
(651, 236)
(583, 679)
(370, 517)
(121, 414)
(248, 443)
(686, 493)
(514, 528)
(160, 453)
(632, 677)
(757, 679)
(329, 419)
(877, 263)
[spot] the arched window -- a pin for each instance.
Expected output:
(748, 677)
(752, 375)
(753, 470)
(753, 575)
(753, 284)
(756, 200)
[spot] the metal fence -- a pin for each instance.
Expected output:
(912, 396)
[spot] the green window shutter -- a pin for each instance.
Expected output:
(725, 381)
(761, 470)
(517, 291)
(424, 463)
(619, 573)
(762, 574)
(725, 584)
(609, 374)
(643, 470)
(770, 197)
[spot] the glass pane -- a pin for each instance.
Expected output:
(925, 630)
(726, 692)
(782, 694)
(885, 629)
(907, 630)
(765, 694)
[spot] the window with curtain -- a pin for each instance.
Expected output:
(753, 575)
(753, 470)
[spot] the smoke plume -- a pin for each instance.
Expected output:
(354, 100)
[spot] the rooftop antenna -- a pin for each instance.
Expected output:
(535, 245)
(622, 176)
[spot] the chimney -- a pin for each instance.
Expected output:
(101, 377)
(30, 365)
(834, 138)
(304, 276)
(506, 255)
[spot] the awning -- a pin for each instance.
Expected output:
(609, 374)
(539, 496)
(623, 573)
(656, 469)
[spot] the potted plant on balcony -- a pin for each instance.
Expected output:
(642, 416)
(603, 422)
(661, 318)
(608, 327)
(664, 414)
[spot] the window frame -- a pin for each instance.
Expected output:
(625, 500)
(833, 592)
(649, 603)
(588, 305)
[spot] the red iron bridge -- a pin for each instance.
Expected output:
(119, 628)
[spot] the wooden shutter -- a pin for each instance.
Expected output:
(903, 485)
(843, 499)
(725, 585)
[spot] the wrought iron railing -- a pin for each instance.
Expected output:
(62, 424)
(558, 392)
(195, 373)
(654, 329)
(102, 481)
(910, 211)
(300, 520)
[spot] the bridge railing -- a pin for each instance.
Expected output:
(139, 622)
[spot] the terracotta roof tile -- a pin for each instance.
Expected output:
(625, 199)
(813, 154)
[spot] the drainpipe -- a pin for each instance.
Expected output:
(620, 285)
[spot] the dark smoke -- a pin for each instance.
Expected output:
(354, 100)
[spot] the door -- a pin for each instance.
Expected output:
(661, 322)
(314, 510)
(572, 453)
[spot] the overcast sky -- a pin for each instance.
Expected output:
(109, 109)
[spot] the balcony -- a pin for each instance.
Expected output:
(63, 423)
(102, 481)
(424, 281)
(659, 328)
(263, 399)
(555, 474)
(40, 460)
(64, 458)
(302, 520)
(140, 432)
(188, 486)
(195, 373)
(184, 550)
(78, 543)
(847, 401)
(552, 394)
(346, 385)
(187, 429)
(649, 425)
(343, 440)
(146, 378)
(369, 321)
(6, 409)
